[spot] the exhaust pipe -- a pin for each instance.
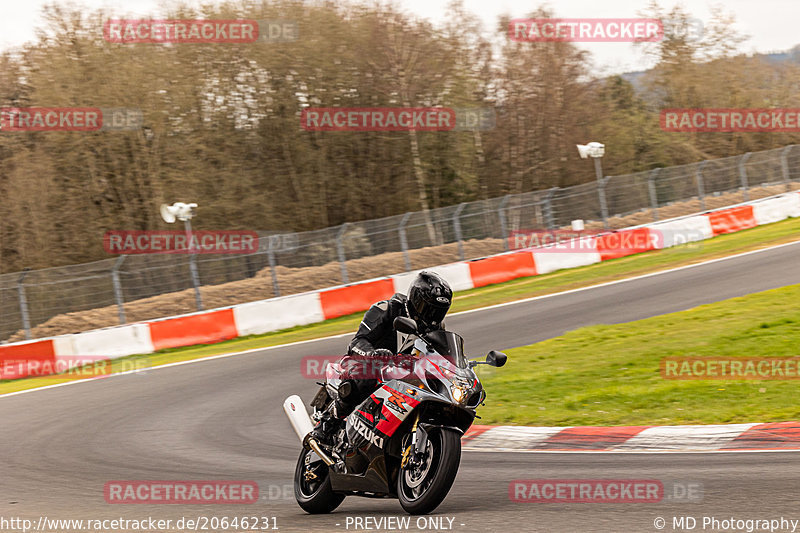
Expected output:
(319, 451)
(298, 416)
(301, 423)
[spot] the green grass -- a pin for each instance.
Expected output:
(760, 237)
(610, 375)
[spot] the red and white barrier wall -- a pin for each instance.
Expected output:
(301, 309)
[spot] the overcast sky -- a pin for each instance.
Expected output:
(771, 24)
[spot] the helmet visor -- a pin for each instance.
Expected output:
(432, 314)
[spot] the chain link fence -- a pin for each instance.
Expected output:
(37, 303)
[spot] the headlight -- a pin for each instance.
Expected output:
(459, 393)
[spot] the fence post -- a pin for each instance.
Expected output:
(23, 304)
(118, 288)
(701, 188)
(457, 228)
(651, 186)
(743, 175)
(547, 208)
(601, 190)
(340, 252)
(401, 229)
(193, 267)
(276, 290)
(785, 166)
(501, 214)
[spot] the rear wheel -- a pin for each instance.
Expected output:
(312, 485)
(423, 486)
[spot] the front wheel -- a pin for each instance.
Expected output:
(312, 485)
(422, 487)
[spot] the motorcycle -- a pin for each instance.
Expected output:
(404, 440)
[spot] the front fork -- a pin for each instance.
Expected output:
(412, 455)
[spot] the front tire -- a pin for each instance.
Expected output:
(422, 489)
(315, 495)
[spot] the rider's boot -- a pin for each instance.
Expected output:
(329, 425)
(325, 430)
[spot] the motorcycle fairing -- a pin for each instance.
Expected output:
(378, 417)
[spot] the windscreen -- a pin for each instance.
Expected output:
(449, 345)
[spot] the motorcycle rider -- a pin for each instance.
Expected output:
(429, 298)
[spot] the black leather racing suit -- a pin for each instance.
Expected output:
(377, 330)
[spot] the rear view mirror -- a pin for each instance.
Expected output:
(495, 358)
(405, 325)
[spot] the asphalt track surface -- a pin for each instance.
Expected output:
(222, 419)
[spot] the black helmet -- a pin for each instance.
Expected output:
(429, 298)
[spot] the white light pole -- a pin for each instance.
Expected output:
(185, 212)
(596, 151)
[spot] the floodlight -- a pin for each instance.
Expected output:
(593, 149)
(177, 211)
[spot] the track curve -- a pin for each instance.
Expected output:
(222, 419)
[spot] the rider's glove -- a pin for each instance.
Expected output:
(382, 352)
